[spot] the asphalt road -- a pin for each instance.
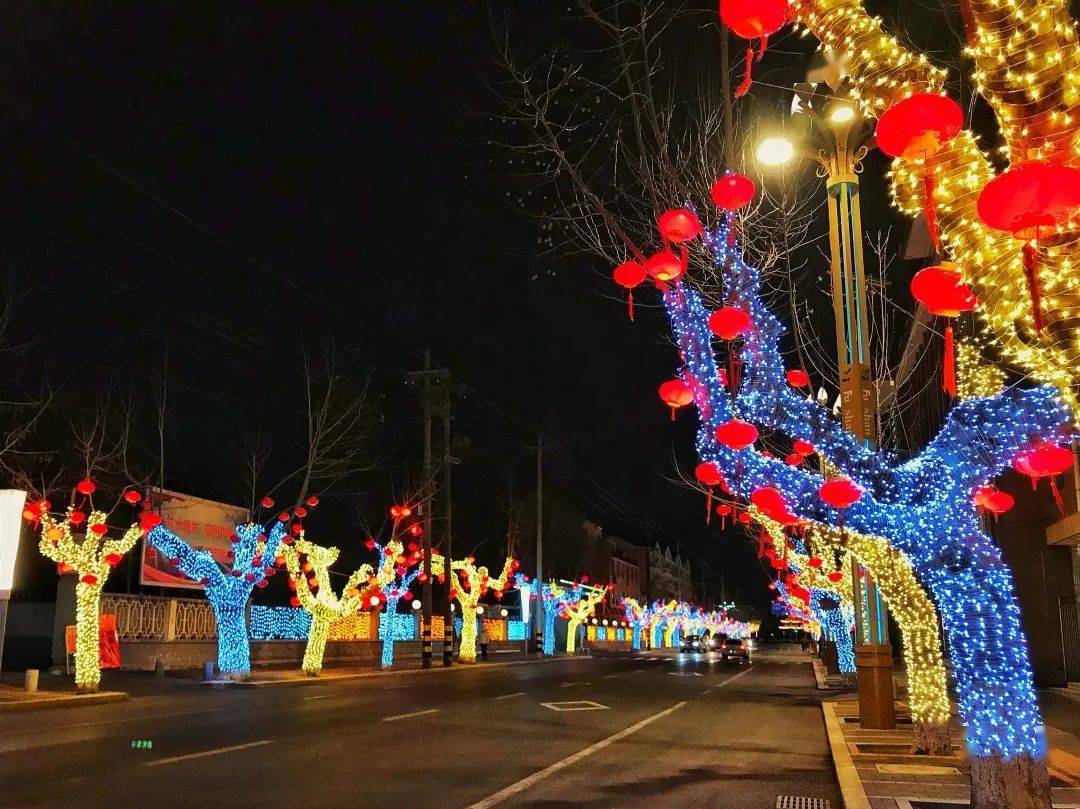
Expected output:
(672, 731)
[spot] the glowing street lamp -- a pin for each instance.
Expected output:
(11, 511)
(775, 151)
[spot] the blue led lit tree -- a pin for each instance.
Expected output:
(636, 615)
(923, 506)
(228, 585)
(837, 623)
(398, 565)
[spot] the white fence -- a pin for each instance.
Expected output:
(161, 619)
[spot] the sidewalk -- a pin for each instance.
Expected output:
(876, 772)
(53, 692)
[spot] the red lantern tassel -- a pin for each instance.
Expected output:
(673, 414)
(930, 209)
(949, 367)
(761, 48)
(1031, 274)
(731, 235)
(708, 505)
(630, 304)
(748, 75)
(1057, 496)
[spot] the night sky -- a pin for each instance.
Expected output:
(221, 183)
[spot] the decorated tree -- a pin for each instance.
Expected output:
(637, 616)
(399, 565)
(309, 571)
(469, 584)
(578, 610)
(825, 568)
(79, 542)
(923, 506)
(661, 613)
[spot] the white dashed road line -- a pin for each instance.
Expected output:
(204, 753)
(515, 694)
(408, 715)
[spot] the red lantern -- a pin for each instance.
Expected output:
(840, 493)
(794, 459)
(736, 434)
(798, 378)
(89, 578)
(916, 128)
(835, 576)
(77, 518)
(1044, 460)
(99, 529)
(628, 275)
(708, 475)
(801, 447)
(666, 266)
(300, 512)
(132, 497)
(267, 502)
(313, 501)
(1028, 201)
(113, 559)
(814, 562)
(148, 521)
(772, 504)
(942, 292)
(729, 322)
(85, 487)
(675, 394)
(679, 225)
(753, 19)
(992, 499)
(733, 191)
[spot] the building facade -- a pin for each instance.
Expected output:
(669, 576)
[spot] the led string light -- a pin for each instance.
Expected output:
(468, 584)
(318, 598)
(279, 623)
(1026, 66)
(227, 588)
(578, 611)
(924, 506)
(93, 558)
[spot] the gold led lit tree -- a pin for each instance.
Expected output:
(309, 570)
(578, 612)
(92, 556)
(911, 607)
(1027, 67)
(468, 584)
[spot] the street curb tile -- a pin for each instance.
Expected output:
(66, 701)
(364, 675)
(851, 788)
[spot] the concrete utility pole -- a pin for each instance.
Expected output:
(447, 544)
(538, 612)
(426, 378)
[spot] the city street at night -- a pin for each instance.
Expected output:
(672, 731)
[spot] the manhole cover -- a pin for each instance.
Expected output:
(576, 705)
(799, 802)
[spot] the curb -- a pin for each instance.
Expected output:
(296, 682)
(851, 788)
(66, 701)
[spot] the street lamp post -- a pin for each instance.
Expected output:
(835, 135)
(12, 502)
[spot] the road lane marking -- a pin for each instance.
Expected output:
(408, 715)
(525, 783)
(320, 696)
(610, 676)
(204, 753)
(565, 685)
(515, 694)
(731, 678)
(576, 705)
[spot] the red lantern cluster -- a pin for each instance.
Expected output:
(992, 499)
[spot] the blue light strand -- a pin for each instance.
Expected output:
(924, 505)
(279, 623)
(227, 588)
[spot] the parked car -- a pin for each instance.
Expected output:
(735, 649)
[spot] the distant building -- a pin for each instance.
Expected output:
(669, 576)
(617, 562)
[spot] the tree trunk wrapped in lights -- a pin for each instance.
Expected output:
(579, 610)
(635, 614)
(911, 607)
(92, 558)
(468, 584)
(1027, 66)
(227, 586)
(923, 506)
(319, 599)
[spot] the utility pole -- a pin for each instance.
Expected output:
(447, 549)
(426, 377)
(538, 612)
